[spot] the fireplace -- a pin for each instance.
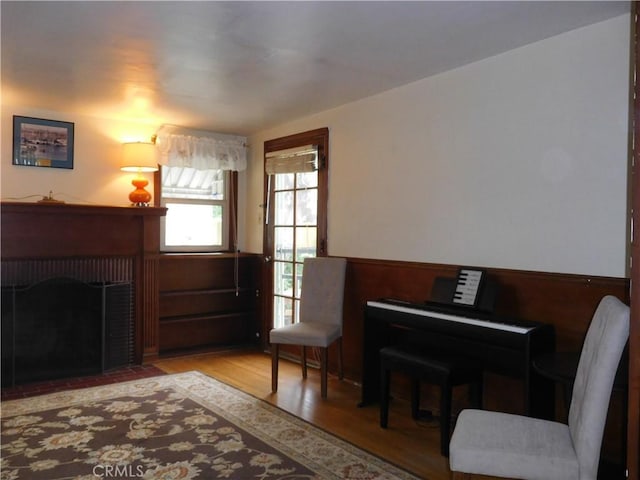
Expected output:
(64, 327)
(100, 246)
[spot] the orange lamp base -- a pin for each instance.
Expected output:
(140, 197)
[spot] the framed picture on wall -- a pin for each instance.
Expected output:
(42, 143)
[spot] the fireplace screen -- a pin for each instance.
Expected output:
(64, 327)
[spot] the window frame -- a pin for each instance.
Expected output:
(229, 215)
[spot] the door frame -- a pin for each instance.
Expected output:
(319, 137)
(633, 413)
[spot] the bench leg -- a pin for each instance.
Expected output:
(445, 417)
(385, 379)
(476, 393)
(415, 398)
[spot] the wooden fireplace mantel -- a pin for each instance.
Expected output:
(51, 231)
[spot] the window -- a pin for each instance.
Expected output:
(198, 209)
(197, 184)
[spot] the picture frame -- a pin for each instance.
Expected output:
(38, 142)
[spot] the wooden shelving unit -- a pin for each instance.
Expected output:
(208, 300)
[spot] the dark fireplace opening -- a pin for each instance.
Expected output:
(64, 327)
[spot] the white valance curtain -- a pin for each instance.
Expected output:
(180, 147)
(292, 160)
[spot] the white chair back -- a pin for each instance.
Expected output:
(322, 292)
(601, 352)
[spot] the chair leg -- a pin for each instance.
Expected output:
(303, 361)
(274, 367)
(445, 417)
(324, 355)
(460, 476)
(340, 371)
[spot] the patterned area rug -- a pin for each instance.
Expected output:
(132, 372)
(173, 427)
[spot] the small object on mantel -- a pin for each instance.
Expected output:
(49, 199)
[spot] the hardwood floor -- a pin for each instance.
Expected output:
(414, 446)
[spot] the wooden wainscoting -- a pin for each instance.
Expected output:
(563, 300)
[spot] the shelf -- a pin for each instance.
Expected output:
(208, 291)
(204, 316)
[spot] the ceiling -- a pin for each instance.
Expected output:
(240, 67)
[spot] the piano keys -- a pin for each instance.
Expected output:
(468, 319)
(501, 345)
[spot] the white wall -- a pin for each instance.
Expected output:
(518, 161)
(96, 178)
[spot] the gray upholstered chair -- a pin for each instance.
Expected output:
(320, 324)
(505, 445)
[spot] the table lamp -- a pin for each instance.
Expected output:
(139, 157)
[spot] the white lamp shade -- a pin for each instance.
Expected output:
(139, 157)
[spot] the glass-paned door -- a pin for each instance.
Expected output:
(295, 233)
(296, 195)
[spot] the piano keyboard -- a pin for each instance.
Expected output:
(453, 318)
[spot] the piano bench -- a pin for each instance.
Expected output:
(445, 371)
